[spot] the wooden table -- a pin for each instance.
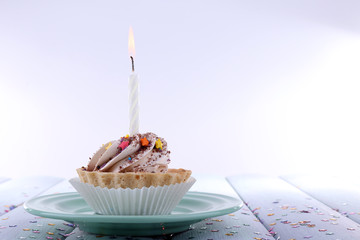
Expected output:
(287, 207)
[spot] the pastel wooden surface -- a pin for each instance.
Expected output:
(275, 209)
(341, 194)
(289, 213)
(15, 192)
(4, 179)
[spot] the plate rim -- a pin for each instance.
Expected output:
(237, 204)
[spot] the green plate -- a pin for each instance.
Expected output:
(194, 207)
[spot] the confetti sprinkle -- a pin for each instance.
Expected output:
(271, 214)
(329, 233)
(351, 229)
(12, 225)
(214, 230)
(144, 142)
(229, 234)
(123, 145)
(50, 233)
(26, 229)
(51, 224)
(285, 222)
(217, 220)
(69, 224)
(109, 145)
(158, 144)
(308, 237)
(33, 221)
(322, 230)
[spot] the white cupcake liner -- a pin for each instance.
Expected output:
(144, 201)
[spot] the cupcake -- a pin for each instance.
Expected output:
(130, 176)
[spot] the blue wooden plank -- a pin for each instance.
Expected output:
(4, 179)
(19, 224)
(289, 213)
(340, 194)
(15, 192)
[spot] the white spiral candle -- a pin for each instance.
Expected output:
(133, 89)
(134, 103)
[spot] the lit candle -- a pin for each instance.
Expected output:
(133, 89)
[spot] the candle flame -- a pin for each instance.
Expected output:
(131, 43)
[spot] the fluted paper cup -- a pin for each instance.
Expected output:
(125, 201)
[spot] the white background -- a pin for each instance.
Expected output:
(234, 86)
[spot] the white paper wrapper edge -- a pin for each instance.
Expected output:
(144, 201)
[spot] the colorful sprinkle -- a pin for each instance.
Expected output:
(144, 142)
(158, 144)
(26, 229)
(69, 224)
(109, 145)
(123, 145)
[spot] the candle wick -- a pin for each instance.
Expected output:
(132, 63)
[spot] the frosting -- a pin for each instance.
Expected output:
(138, 153)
